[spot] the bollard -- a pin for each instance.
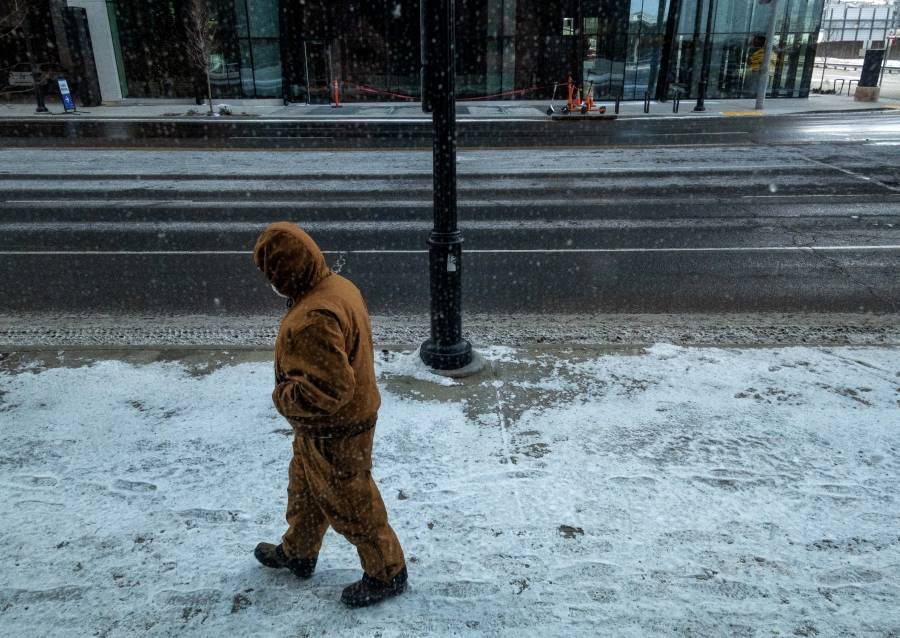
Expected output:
(618, 99)
(646, 101)
(337, 95)
(676, 101)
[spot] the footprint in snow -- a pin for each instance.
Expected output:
(134, 486)
(36, 481)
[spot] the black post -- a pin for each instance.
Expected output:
(35, 70)
(446, 349)
(646, 101)
(707, 56)
(618, 100)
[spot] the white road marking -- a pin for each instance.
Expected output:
(697, 134)
(282, 137)
(846, 171)
(830, 195)
(702, 249)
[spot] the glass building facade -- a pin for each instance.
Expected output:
(246, 61)
(506, 49)
(738, 32)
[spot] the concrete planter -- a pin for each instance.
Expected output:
(866, 93)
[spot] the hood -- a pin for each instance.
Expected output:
(290, 259)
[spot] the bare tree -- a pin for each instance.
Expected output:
(13, 14)
(202, 35)
(15, 21)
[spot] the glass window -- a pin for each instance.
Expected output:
(246, 69)
(509, 18)
(509, 65)
(263, 18)
(654, 10)
(240, 17)
(267, 68)
(225, 76)
(813, 16)
(494, 18)
(688, 16)
(257, 26)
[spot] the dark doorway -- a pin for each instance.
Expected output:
(318, 71)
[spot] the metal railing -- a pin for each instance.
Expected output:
(890, 70)
(840, 83)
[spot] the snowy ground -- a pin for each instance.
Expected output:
(894, 64)
(890, 82)
(563, 492)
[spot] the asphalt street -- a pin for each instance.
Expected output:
(729, 227)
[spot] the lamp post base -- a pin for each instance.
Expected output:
(448, 359)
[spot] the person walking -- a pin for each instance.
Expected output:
(325, 388)
(755, 58)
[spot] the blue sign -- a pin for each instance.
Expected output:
(68, 102)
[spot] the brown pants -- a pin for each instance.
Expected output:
(330, 483)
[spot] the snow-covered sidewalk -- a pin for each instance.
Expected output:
(563, 492)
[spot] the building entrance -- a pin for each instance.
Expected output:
(318, 71)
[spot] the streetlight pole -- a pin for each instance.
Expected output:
(707, 58)
(446, 350)
(763, 81)
(889, 35)
(822, 37)
(36, 75)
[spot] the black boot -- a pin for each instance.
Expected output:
(369, 591)
(273, 556)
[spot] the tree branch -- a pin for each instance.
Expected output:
(13, 14)
(201, 39)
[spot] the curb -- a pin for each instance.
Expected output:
(730, 114)
(403, 120)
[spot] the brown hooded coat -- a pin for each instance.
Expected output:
(324, 366)
(325, 388)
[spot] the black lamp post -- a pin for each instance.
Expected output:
(36, 75)
(707, 57)
(446, 349)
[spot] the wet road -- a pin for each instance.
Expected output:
(346, 132)
(656, 229)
